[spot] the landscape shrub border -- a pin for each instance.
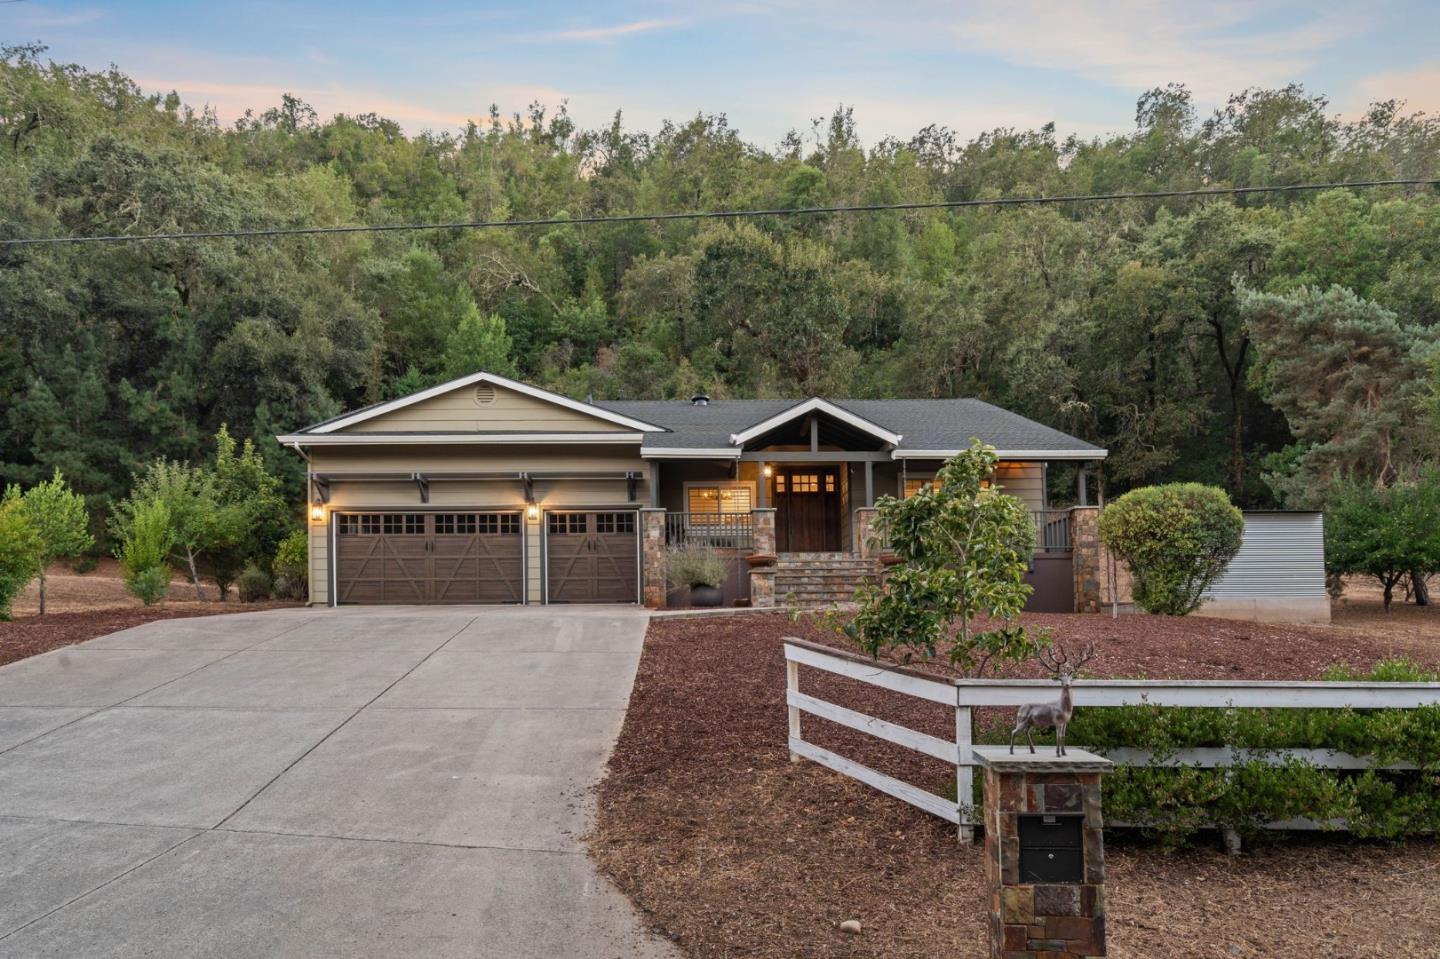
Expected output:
(1173, 803)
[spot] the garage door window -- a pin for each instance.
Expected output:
(567, 523)
(360, 524)
(614, 522)
(403, 524)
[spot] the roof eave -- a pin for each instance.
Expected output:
(1004, 454)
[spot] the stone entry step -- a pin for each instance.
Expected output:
(821, 579)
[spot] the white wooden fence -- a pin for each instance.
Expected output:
(966, 695)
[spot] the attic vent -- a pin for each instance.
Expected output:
(484, 394)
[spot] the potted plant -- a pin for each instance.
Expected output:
(699, 568)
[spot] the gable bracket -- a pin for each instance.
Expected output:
(422, 483)
(630, 479)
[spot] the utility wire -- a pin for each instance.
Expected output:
(707, 215)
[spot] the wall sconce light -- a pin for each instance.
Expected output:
(769, 470)
(317, 512)
(532, 511)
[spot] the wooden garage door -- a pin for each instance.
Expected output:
(591, 557)
(457, 557)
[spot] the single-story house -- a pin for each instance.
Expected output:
(489, 490)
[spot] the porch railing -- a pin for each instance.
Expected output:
(1053, 529)
(715, 530)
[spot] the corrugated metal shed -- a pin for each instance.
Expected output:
(1282, 556)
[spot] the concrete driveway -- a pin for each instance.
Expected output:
(354, 782)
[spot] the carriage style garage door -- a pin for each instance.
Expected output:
(429, 558)
(592, 557)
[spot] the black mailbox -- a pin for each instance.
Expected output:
(1052, 848)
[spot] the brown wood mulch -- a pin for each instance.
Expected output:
(27, 636)
(730, 850)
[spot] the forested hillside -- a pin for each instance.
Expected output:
(1120, 322)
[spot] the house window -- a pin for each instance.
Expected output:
(719, 499)
(806, 483)
(914, 484)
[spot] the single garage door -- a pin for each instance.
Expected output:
(429, 558)
(592, 557)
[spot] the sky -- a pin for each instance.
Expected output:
(770, 65)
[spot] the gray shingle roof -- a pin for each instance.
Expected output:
(925, 424)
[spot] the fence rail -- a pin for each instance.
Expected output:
(966, 695)
(1052, 527)
(715, 530)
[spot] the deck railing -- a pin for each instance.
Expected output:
(1052, 527)
(715, 530)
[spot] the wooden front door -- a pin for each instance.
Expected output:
(387, 558)
(592, 557)
(807, 509)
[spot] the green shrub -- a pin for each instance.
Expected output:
(694, 566)
(150, 584)
(1174, 802)
(292, 567)
(253, 585)
(85, 563)
(1177, 539)
(142, 551)
(1389, 534)
(20, 551)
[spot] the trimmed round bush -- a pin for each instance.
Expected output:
(1177, 539)
(253, 585)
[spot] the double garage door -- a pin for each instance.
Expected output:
(479, 557)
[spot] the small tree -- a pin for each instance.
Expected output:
(292, 567)
(20, 551)
(200, 524)
(143, 550)
(57, 515)
(245, 491)
(1386, 533)
(964, 549)
(1177, 539)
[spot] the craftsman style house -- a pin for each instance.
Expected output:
(488, 490)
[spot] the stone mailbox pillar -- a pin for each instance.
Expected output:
(1044, 852)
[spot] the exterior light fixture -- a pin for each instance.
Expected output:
(769, 470)
(317, 512)
(532, 511)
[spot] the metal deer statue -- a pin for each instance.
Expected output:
(1057, 714)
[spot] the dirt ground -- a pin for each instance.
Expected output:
(733, 851)
(83, 606)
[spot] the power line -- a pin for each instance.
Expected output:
(708, 215)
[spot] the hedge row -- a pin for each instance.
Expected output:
(1173, 803)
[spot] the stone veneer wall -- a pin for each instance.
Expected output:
(863, 528)
(1092, 564)
(762, 578)
(1042, 921)
(652, 557)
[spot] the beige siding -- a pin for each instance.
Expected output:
(494, 494)
(457, 411)
(1023, 480)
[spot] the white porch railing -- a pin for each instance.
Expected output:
(966, 695)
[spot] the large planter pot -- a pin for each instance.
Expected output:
(760, 560)
(705, 597)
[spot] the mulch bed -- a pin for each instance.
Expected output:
(32, 635)
(731, 850)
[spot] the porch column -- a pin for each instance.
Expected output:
(762, 578)
(869, 484)
(864, 527)
(654, 484)
(762, 490)
(652, 557)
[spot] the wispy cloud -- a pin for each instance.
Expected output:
(1418, 87)
(603, 34)
(48, 18)
(1132, 44)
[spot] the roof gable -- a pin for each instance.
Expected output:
(482, 403)
(815, 405)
